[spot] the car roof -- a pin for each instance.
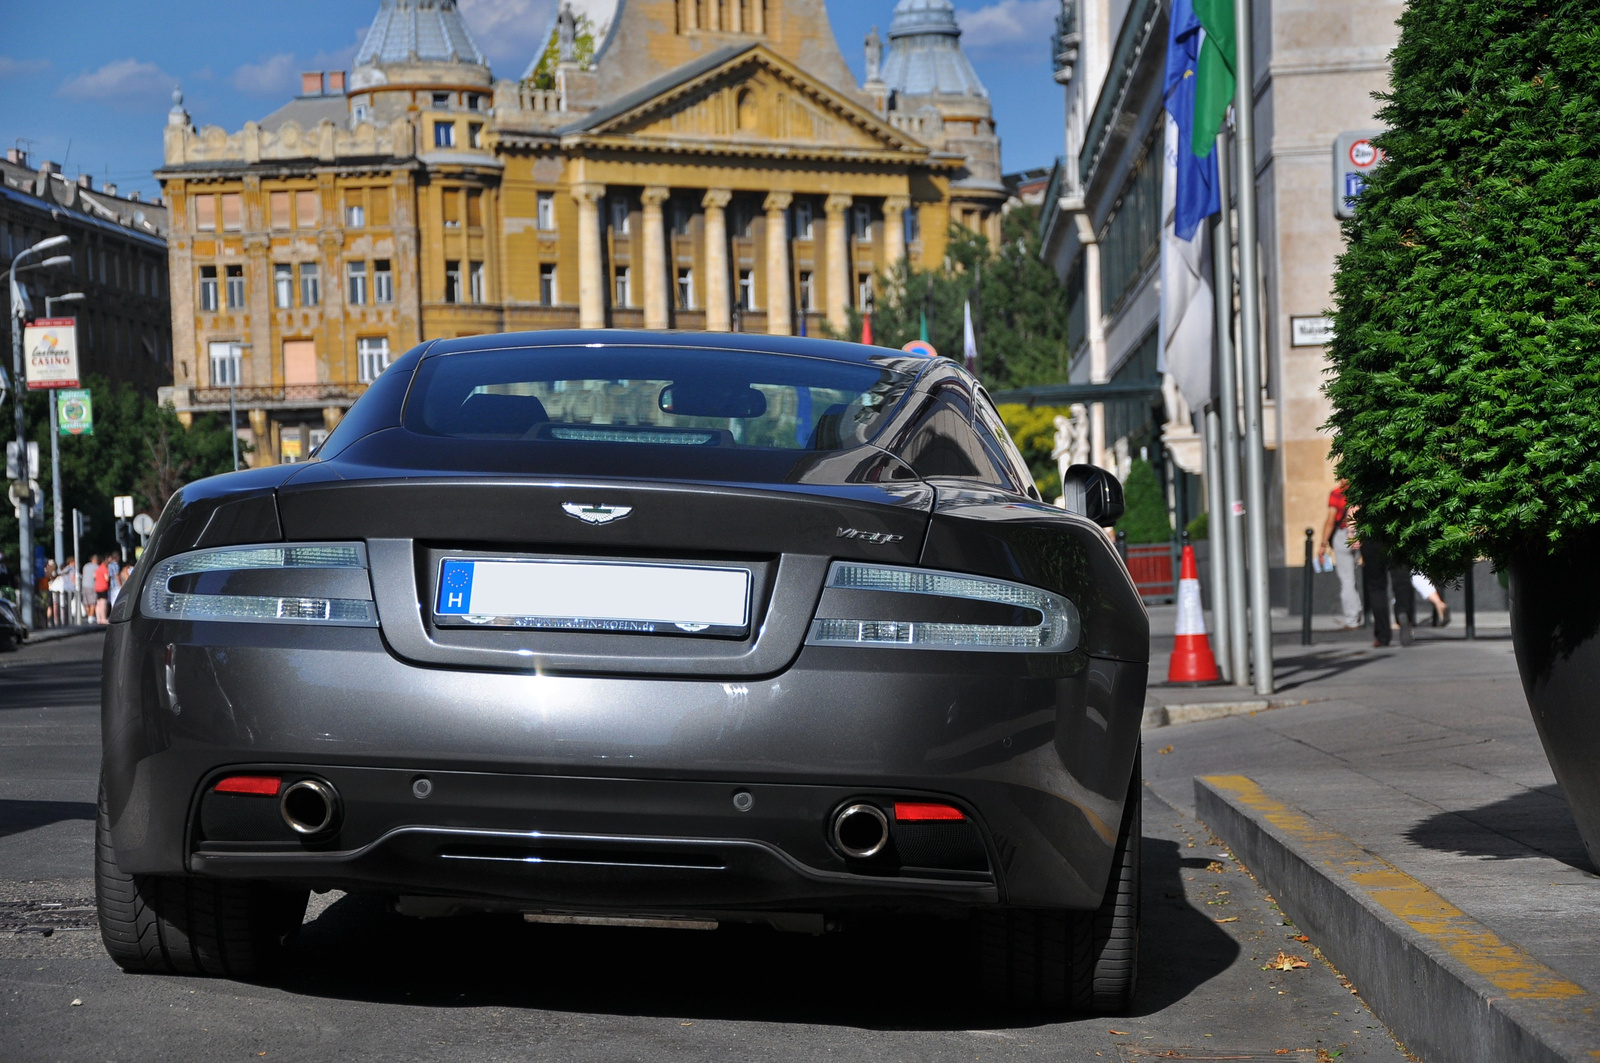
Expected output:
(754, 343)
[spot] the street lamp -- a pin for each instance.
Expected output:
(55, 440)
(19, 310)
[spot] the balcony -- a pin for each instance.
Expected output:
(281, 397)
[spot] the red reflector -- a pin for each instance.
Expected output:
(921, 812)
(249, 784)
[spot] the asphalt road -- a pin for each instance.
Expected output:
(365, 984)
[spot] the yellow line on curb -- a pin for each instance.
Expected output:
(1509, 968)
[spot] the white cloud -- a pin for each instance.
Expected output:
(16, 68)
(273, 76)
(509, 32)
(1005, 27)
(125, 83)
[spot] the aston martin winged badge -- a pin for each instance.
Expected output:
(593, 514)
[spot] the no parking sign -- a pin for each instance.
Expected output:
(1354, 157)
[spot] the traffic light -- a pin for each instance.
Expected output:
(124, 537)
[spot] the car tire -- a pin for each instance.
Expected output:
(184, 924)
(1056, 960)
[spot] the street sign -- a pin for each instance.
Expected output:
(75, 412)
(50, 353)
(143, 523)
(14, 467)
(122, 506)
(1354, 157)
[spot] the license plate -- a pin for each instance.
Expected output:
(616, 596)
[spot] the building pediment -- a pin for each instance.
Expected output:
(748, 101)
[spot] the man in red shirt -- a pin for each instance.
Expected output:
(1336, 538)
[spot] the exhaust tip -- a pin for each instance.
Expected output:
(861, 831)
(309, 807)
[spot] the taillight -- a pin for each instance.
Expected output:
(926, 812)
(1015, 616)
(264, 785)
(296, 583)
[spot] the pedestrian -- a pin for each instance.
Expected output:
(1424, 586)
(1381, 577)
(58, 594)
(123, 572)
(102, 588)
(86, 587)
(1336, 540)
(46, 592)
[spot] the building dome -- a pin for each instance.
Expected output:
(925, 56)
(418, 31)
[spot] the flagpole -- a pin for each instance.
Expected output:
(1250, 350)
(1217, 534)
(1232, 520)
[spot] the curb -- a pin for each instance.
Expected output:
(1448, 986)
(52, 634)
(1158, 715)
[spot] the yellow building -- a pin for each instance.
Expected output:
(715, 166)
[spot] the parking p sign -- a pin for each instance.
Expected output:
(1354, 156)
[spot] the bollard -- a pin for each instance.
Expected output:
(1305, 594)
(1470, 606)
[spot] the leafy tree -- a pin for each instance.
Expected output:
(138, 448)
(1144, 517)
(1019, 306)
(1033, 429)
(544, 74)
(1467, 349)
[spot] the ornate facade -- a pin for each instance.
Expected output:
(716, 166)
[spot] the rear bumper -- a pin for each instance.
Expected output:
(552, 792)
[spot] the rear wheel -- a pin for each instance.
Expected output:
(1053, 960)
(183, 924)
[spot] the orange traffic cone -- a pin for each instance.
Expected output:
(1192, 661)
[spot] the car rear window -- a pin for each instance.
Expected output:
(651, 397)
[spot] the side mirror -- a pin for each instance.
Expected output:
(1092, 492)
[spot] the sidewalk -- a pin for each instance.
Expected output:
(1380, 784)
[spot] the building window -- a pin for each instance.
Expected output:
(473, 101)
(307, 210)
(232, 212)
(357, 273)
(378, 201)
(802, 220)
(685, 289)
(547, 284)
(280, 209)
(235, 279)
(474, 208)
(624, 276)
(475, 134)
(741, 218)
(747, 289)
(382, 282)
(619, 214)
(1131, 240)
(863, 291)
(547, 212)
(441, 101)
(355, 216)
(451, 201)
(208, 289)
(225, 363)
(282, 285)
(808, 291)
(913, 226)
(205, 213)
(372, 357)
(444, 134)
(475, 280)
(452, 281)
(310, 285)
(863, 222)
(358, 114)
(682, 216)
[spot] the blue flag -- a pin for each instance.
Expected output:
(1197, 195)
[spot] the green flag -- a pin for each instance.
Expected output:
(1214, 82)
(924, 326)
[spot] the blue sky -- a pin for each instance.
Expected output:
(88, 84)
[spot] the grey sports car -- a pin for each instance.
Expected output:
(670, 629)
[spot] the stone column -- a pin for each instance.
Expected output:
(894, 231)
(591, 281)
(655, 258)
(718, 311)
(838, 236)
(777, 207)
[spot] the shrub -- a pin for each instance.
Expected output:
(1467, 349)
(1144, 516)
